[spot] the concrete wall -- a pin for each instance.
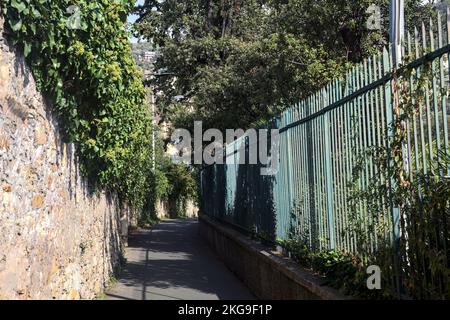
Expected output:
(266, 273)
(57, 239)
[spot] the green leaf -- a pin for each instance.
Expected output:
(27, 49)
(20, 6)
(33, 28)
(36, 13)
(17, 26)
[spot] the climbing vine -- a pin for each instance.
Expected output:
(411, 177)
(414, 253)
(80, 56)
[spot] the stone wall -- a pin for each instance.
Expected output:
(57, 239)
(191, 209)
(162, 209)
(166, 209)
(268, 274)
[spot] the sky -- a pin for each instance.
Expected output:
(132, 18)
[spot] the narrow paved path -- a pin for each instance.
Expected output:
(172, 262)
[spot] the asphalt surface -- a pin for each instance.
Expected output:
(170, 262)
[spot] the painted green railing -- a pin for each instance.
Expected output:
(322, 140)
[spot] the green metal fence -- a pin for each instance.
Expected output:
(322, 141)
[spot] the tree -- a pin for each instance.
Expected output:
(235, 63)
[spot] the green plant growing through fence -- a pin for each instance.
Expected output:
(414, 258)
(342, 270)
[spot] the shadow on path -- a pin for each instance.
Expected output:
(172, 262)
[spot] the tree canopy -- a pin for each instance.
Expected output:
(235, 63)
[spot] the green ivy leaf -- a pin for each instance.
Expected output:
(33, 28)
(17, 26)
(20, 6)
(27, 49)
(82, 89)
(36, 13)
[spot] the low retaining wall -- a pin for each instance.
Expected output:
(266, 273)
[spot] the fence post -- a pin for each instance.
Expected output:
(329, 180)
(397, 30)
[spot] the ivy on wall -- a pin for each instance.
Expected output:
(81, 59)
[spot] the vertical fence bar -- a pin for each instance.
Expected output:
(444, 88)
(329, 171)
(427, 103)
(334, 163)
(435, 95)
(388, 121)
(323, 183)
(348, 155)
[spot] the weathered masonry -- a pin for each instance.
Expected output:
(57, 239)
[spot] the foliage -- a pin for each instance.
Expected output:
(176, 183)
(341, 26)
(183, 182)
(138, 54)
(90, 77)
(341, 270)
(172, 182)
(236, 63)
(415, 258)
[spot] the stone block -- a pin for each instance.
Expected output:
(73, 295)
(4, 79)
(37, 202)
(4, 143)
(40, 136)
(6, 198)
